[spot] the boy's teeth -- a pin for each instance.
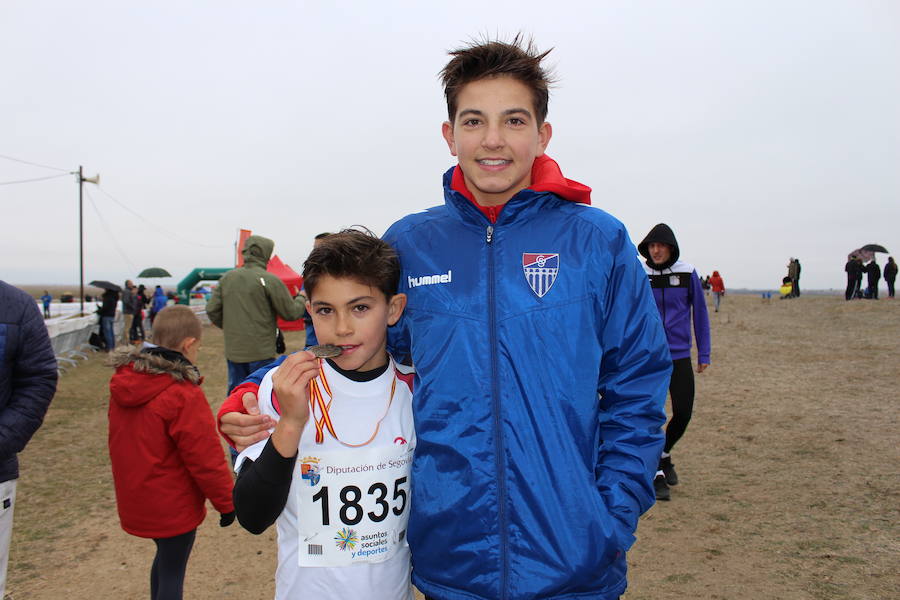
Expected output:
(492, 163)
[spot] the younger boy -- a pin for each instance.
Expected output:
(334, 475)
(166, 457)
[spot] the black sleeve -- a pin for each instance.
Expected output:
(262, 488)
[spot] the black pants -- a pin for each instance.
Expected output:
(851, 288)
(873, 290)
(170, 565)
(137, 328)
(890, 284)
(681, 390)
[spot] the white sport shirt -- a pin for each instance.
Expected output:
(353, 505)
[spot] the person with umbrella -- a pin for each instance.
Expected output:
(853, 268)
(107, 311)
(874, 274)
(890, 275)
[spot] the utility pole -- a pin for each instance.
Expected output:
(81, 239)
(81, 179)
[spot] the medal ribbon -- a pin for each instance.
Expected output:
(316, 399)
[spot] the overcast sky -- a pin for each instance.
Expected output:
(757, 130)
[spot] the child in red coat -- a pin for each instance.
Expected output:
(164, 448)
(718, 288)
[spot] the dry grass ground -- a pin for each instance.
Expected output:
(789, 477)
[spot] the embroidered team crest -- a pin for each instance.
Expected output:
(309, 470)
(540, 271)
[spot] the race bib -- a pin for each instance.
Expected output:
(353, 505)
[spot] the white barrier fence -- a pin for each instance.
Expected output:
(70, 336)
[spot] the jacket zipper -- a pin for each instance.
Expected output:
(498, 436)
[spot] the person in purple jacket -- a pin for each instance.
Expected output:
(679, 296)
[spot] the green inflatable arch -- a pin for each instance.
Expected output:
(196, 276)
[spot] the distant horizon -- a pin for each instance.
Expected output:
(743, 290)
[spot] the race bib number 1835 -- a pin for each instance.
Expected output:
(353, 505)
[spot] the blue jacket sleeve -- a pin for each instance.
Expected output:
(257, 375)
(701, 319)
(398, 344)
(634, 377)
(32, 378)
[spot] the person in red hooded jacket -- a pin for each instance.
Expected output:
(718, 288)
(164, 448)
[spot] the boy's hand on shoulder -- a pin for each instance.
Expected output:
(290, 384)
(245, 429)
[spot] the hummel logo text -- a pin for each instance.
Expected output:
(430, 279)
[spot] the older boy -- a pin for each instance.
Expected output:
(541, 363)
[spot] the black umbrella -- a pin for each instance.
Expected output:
(154, 272)
(106, 285)
(874, 248)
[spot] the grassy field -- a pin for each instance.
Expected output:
(789, 488)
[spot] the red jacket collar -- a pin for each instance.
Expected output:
(546, 176)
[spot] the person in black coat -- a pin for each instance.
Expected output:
(874, 273)
(890, 275)
(27, 384)
(854, 272)
(107, 312)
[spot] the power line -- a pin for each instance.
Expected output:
(34, 164)
(109, 231)
(157, 227)
(35, 179)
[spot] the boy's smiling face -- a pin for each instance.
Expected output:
(355, 317)
(496, 137)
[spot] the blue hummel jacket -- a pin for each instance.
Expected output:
(541, 376)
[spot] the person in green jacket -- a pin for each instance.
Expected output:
(245, 305)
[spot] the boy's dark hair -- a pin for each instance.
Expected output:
(353, 254)
(322, 236)
(174, 324)
(518, 59)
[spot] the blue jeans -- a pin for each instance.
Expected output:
(238, 372)
(108, 332)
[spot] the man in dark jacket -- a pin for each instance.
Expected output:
(129, 300)
(890, 275)
(27, 384)
(852, 268)
(107, 312)
(874, 275)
